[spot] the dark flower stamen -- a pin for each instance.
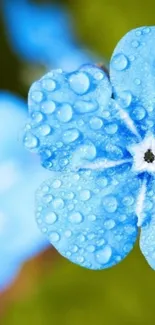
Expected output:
(149, 156)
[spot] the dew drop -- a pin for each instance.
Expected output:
(37, 96)
(135, 44)
(125, 98)
(56, 183)
(92, 217)
(54, 237)
(51, 218)
(45, 129)
(111, 128)
(91, 248)
(85, 195)
(65, 113)
(48, 84)
(71, 135)
(76, 217)
(48, 107)
(98, 75)
(80, 259)
(138, 113)
(68, 233)
(137, 81)
(109, 224)
(96, 123)
(58, 203)
(110, 203)
(82, 106)
(103, 256)
(79, 82)
(138, 32)
(31, 141)
(146, 30)
(119, 62)
(37, 117)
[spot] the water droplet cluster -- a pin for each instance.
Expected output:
(132, 74)
(89, 217)
(62, 107)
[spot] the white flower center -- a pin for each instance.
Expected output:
(144, 155)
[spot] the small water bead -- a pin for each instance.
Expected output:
(102, 182)
(79, 82)
(65, 113)
(119, 62)
(37, 117)
(51, 218)
(74, 248)
(69, 195)
(98, 75)
(54, 237)
(82, 238)
(58, 203)
(91, 217)
(47, 198)
(56, 184)
(137, 81)
(111, 128)
(91, 248)
(68, 233)
(45, 189)
(71, 135)
(48, 84)
(131, 58)
(125, 98)
(139, 113)
(146, 30)
(82, 106)
(44, 230)
(76, 217)
(100, 242)
(31, 141)
(37, 96)
(103, 256)
(138, 33)
(128, 200)
(96, 123)
(85, 195)
(109, 224)
(80, 259)
(110, 203)
(48, 107)
(135, 44)
(45, 129)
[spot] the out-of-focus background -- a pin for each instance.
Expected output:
(49, 289)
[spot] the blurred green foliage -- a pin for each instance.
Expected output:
(68, 294)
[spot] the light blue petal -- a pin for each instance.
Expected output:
(132, 73)
(89, 217)
(147, 236)
(42, 34)
(73, 118)
(20, 175)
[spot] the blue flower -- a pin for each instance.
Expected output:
(42, 34)
(98, 134)
(20, 174)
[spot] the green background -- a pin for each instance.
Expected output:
(49, 289)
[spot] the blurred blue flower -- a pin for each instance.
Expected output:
(20, 174)
(42, 34)
(98, 134)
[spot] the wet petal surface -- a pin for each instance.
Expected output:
(89, 217)
(132, 75)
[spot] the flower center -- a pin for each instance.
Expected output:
(149, 156)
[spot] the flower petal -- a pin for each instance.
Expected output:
(132, 72)
(147, 236)
(73, 118)
(89, 217)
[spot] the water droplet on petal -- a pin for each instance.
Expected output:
(135, 44)
(79, 82)
(76, 217)
(68, 233)
(92, 217)
(82, 106)
(70, 135)
(56, 183)
(58, 203)
(110, 203)
(37, 117)
(51, 218)
(139, 113)
(30, 141)
(54, 237)
(125, 98)
(109, 224)
(96, 123)
(65, 113)
(85, 195)
(45, 129)
(119, 62)
(37, 96)
(91, 248)
(103, 256)
(137, 81)
(48, 107)
(146, 30)
(48, 84)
